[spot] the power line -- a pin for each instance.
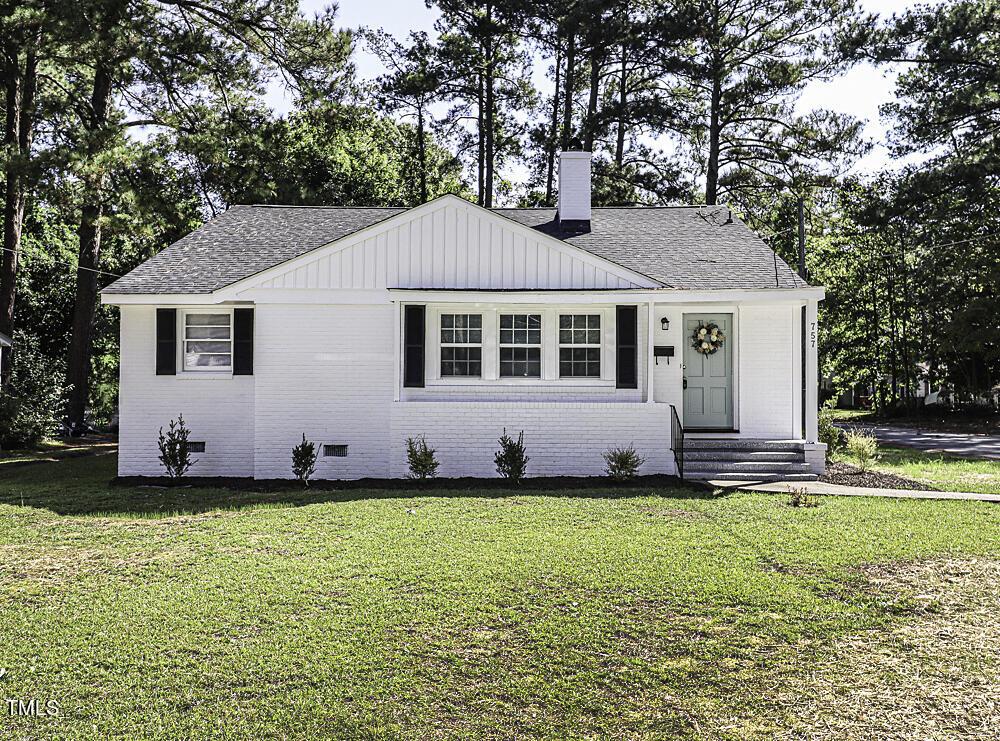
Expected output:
(962, 241)
(71, 265)
(778, 234)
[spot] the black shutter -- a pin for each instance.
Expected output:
(627, 348)
(166, 342)
(414, 333)
(242, 342)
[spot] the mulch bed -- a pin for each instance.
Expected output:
(540, 483)
(848, 475)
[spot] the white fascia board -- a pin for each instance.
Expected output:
(599, 296)
(166, 299)
(532, 296)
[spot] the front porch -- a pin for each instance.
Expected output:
(703, 458)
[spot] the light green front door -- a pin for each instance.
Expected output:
(708, 392)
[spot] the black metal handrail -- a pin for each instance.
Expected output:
(677, 440)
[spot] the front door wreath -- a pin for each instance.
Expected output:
(708, 338)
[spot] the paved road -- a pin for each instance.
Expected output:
(986, 447)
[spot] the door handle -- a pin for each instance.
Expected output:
(685, 383)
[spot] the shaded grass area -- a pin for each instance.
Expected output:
(929, 418)
(54, 450)
(852, 415)
(936, 471)
(627, 613)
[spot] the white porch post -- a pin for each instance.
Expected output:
(650, 338)
(812, 372)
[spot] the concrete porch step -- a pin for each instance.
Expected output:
(720, 454)
(752, 468)
(716, 443)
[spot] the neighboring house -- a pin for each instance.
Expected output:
(5, 345)
(361, 327)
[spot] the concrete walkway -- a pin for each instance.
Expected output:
(967, 444)
(821, 487)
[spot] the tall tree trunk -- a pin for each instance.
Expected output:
(480, 143)
(13, 212)
(491, 131)
(553, 138)
(908, 371)
(89, 233)
(590, 130)
(874, 340)
(892, 319)
(567, 122)
(20, 90)
(622, 111)
(422, 153)
(714, 137)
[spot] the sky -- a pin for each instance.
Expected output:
(859, 92)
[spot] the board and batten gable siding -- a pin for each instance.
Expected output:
(451, 246)
(219, 411)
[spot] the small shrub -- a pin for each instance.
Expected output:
(802, 498)
(829, 433)
(32, 397)
(862, 446)
(304, 460)
(511, 460)
(175, 455)
(622, 464)
(420, 458)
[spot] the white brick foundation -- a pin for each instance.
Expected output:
(561, 439)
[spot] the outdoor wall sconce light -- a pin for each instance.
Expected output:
(664, 324)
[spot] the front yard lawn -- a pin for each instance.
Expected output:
(628, 613)
(937, 471)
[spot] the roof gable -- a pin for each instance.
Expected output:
(448, 243)
(451, 243)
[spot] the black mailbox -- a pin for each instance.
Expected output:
(663, 351)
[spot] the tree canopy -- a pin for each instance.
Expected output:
(130, 122)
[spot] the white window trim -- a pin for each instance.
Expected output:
(587, 345)
(482, 341)
(491, 346)
(540, 345)
(209, 372)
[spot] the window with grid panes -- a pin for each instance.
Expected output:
(579, 345)
(520, 345)
(461, 344)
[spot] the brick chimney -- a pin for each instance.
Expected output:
(573, 209)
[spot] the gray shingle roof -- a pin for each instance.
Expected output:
(680, 247)
(241, 242)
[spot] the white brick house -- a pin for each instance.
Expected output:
(361, 327)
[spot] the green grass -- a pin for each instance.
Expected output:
(626, 613)
(939, 472)
(53, 450)
(851, 415)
